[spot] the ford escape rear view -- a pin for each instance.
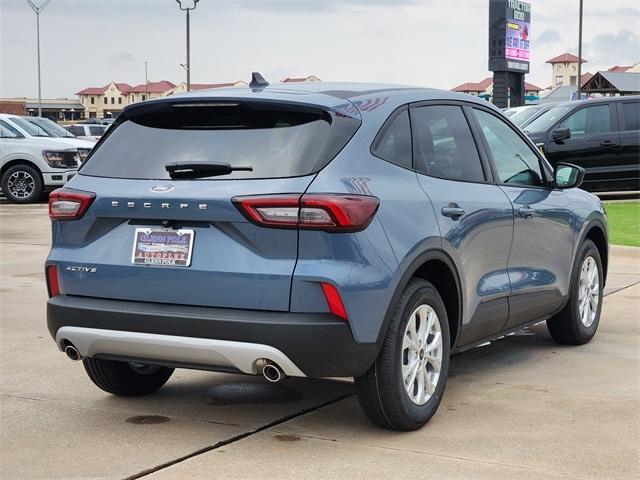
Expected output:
(319, 230)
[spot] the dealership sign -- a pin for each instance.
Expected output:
(509, 35)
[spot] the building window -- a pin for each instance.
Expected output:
(573, 80)
(113, 100)
(559, 79)
(105, 100)
(93, 100)
(119, 100)
(144, 97)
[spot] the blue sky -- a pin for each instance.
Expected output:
(436, 43)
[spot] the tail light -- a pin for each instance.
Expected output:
(334, 213)
(53, 286)
(69, 204)
(333, 300)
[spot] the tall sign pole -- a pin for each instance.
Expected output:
(509, 50)
(37, 9)
(579, 82)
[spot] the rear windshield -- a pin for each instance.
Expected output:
(275, 141)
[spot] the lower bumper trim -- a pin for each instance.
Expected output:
(94, 342)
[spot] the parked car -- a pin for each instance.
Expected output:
(88, 131)
(318, 230)
(525, 114)
(32, 161)
(602, 136)
(51, 128)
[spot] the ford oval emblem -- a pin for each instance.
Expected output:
(161, 188)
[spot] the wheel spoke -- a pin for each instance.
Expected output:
(435, 343)
(435, 362)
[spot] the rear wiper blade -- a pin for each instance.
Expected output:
(189, 170)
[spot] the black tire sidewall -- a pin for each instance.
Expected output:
(419, 414)
(37, 189)
(588, 248)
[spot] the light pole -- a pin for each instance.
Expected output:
(188, 6)
(580, 52)
(146, 81)
(37, 10)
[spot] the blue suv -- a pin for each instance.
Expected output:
(317, 230)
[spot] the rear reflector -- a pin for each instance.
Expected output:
(69, 204)
(334, 213)
(53, 286)
(333, 300)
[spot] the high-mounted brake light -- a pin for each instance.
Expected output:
(69, 204)
(53, 286)
(334, 213)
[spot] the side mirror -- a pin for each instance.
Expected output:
(568, 175)
(560, 134)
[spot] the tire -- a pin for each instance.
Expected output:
(568, 327)
(125, 379)
(381, 390)
(22, 184)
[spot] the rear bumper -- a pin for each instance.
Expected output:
(312, 344)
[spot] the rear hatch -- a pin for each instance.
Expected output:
(177, 238)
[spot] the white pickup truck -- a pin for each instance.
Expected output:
(32, 162)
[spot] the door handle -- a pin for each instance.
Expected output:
(452, 211)
(608, 143)
(526, 212)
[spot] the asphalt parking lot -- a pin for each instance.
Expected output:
(521, 407)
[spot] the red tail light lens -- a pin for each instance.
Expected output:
(333, 213)
(333, 300)
(53, 286)
(69, 204)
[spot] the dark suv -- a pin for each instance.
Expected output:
(320, 230)
(602, 136)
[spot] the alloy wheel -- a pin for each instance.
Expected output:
(21, 184)
(421, 355)
(588, 291)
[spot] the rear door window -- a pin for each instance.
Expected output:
(631, 116)
(96, 131)
(275, 141)
(444, 144)
(76, 130)
(588, 121)
(393, 144)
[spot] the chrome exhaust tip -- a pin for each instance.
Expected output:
(272, 373)
(72, 352)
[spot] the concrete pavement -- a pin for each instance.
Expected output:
(521, 407)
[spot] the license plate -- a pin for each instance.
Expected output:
(162, 247)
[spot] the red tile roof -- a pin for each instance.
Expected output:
(93, 90)
(585, 77)
(202, 86)
(299, 79)
(530, 87)
(153, 87)
(620, 69)
(473, 86)
(565, 58)
(123, 87)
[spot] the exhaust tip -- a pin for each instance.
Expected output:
(272, 373)
(72, 352)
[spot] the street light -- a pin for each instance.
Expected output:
(37, 10)
(580, 53)
(188, 5)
